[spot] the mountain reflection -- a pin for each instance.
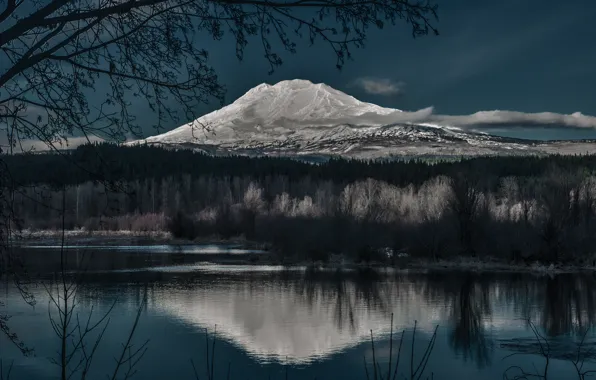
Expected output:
(291, 317)
(297, 317)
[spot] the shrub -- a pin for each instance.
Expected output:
(182, 226)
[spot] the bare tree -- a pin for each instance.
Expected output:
(74, 66)
(543, 347)
(465, 204)
(559, 196)
(80, 338)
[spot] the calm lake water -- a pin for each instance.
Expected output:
(274, 322)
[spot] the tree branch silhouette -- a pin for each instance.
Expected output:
(64, 53)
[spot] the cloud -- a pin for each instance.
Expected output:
(475, 121)
(517, 119)
(380, 86)
(32, 145)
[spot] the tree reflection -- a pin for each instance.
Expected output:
(343, 292)
(471, 306)
(568, 304)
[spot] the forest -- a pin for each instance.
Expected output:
(512, 208)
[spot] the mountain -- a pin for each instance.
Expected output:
(298, 117)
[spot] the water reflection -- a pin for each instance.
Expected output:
(471, 308)
(45, 259)
(305, 317)
(298, 316)
(568, 305)
(285, 316)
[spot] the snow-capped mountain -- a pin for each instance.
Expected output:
(298, 117)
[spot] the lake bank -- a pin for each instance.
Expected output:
(268, 256)
(83, 238)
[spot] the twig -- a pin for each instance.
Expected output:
(372, 342)
(137, 355)
(2, 376)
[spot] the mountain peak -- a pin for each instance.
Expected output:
(279, 110)
(284, 86)
(301, 99)
(295, 83)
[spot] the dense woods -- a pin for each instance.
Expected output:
(513, 208)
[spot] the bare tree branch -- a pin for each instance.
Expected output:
(65, 50)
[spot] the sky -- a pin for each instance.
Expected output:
(517, 55)
(524, 56)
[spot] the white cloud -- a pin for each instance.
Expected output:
(32, 145)
(380, 86)
(475, 121)
(516, 119)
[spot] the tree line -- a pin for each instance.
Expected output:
(514, 208)
(111, 162)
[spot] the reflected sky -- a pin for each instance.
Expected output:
(317, 323)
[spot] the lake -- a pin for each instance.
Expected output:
(278, 323)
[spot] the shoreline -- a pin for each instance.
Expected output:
(269, 257)
(102, 237)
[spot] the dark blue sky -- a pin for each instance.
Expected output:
(520, 55)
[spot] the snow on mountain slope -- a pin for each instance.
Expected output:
(300, 117)
(275, 112)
